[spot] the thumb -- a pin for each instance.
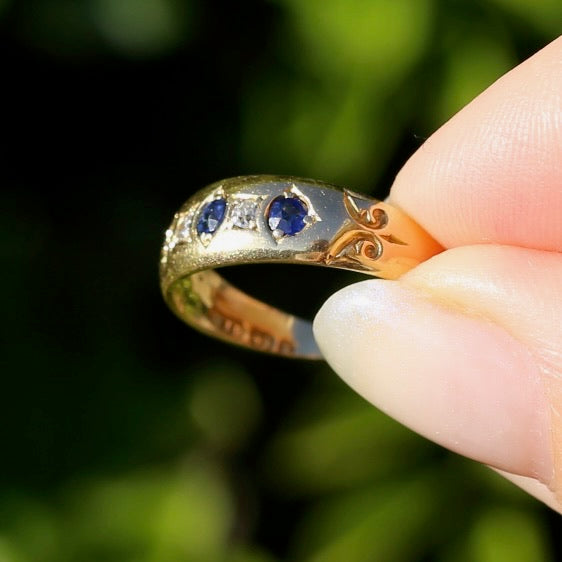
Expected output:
(466, 349)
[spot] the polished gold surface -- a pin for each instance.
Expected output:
(341, 229)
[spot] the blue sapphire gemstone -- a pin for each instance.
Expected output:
(286, 215)
(211, 216)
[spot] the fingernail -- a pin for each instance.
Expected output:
(462, 381)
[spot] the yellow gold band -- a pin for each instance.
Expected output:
(266, 219)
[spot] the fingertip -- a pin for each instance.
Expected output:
(461, 381)
(491, 174)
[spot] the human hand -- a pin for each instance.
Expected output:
(466, 349)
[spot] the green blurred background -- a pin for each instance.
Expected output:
(128, 437)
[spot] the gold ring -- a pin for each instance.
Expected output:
(265, 219)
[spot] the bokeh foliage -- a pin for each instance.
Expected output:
(127, 437)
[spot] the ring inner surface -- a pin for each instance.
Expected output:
(208, 302)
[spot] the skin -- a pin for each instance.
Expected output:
(466, 349)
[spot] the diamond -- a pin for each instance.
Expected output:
(211, 216)
(244, 214)
(286, 216)
(183, 228)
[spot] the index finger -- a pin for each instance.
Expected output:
(493, 173)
